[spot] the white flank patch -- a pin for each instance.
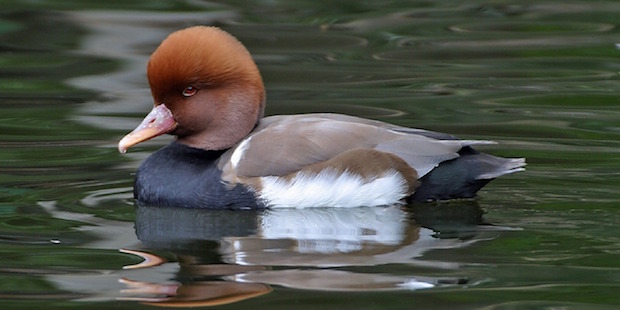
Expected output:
(330, 188)
(239, 151)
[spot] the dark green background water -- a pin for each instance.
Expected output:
(539, 77)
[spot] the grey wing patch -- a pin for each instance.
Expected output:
(392, 127)
(423, 153)
(285, 147)
(284, 144)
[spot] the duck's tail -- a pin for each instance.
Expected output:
(463, 176)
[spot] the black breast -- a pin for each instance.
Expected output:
(180, 176)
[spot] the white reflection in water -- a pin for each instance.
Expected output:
(332, 230)
(332, 237)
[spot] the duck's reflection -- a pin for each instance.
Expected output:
(226, 256)
(335, 238)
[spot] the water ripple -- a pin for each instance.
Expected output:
(533, 27)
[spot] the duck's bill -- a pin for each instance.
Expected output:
(158, 122)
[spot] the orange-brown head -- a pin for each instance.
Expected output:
(206, 88)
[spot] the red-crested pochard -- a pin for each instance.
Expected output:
(208, 92)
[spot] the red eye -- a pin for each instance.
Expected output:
(189, 91)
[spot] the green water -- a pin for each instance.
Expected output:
(540, 78)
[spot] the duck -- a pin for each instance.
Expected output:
(208, 93)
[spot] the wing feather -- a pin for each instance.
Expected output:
(281, 145)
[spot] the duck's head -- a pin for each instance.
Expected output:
(206, 88)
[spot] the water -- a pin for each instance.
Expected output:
(540, 78)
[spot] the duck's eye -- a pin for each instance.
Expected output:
(189, 91)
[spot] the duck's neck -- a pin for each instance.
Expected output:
(185, 151)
